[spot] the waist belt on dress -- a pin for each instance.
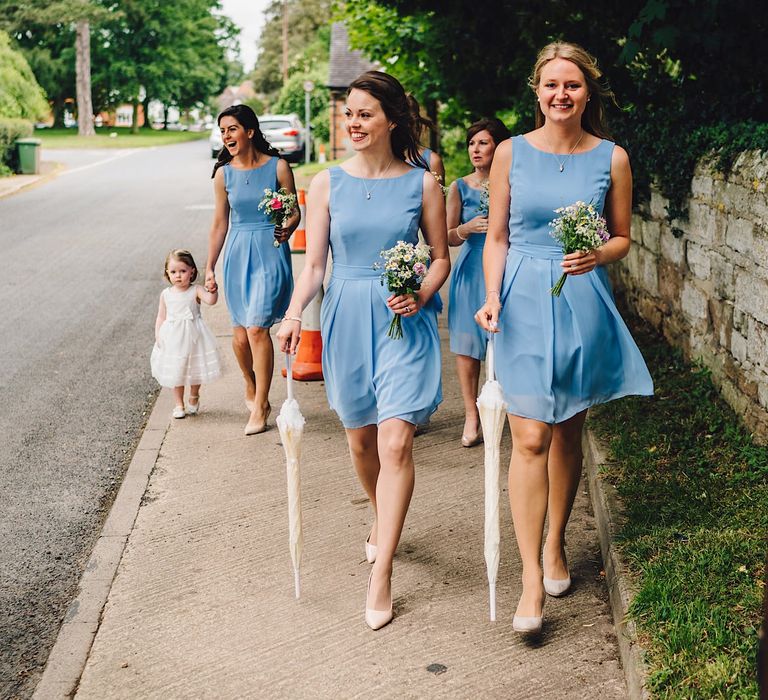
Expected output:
(354, 272)
(542, 252)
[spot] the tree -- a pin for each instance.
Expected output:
(172, 52)
(80, 13)
(684, 80)
(20, 95)
(306, 18)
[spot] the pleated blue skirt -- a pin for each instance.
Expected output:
(370, 377)
(557, 356)
(466, 296)
(258, 281)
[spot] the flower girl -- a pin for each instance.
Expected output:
(185, 349)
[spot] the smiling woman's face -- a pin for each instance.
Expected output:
(366, 121)
(562, 91)
(235, 137)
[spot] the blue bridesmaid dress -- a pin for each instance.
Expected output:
(467, 292)
(559, 355)
(258, 281)
(370, 377)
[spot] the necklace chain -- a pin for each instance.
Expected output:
(561, 163)
(369, 192)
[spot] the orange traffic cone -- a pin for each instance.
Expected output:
(308, 366)
(298, 242)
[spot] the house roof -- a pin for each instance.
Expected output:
(344, 64)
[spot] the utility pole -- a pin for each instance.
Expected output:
(285, 41)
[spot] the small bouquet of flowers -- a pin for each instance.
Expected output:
(278, 206)
(439, 180)
(403, 271)
(577, 228)
(485, 199)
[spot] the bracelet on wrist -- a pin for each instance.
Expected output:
(292, 318)
(492, 291)
(458, 234)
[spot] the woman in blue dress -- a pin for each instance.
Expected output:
(258, 279)
(557, 355)
(467, 224)
(380, 388)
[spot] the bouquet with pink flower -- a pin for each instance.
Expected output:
(578, 228)
(404, 269)
(278, 206)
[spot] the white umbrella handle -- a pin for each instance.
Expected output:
(289, 373)
(490, 369)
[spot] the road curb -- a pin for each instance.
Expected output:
(18, 183)
(69, 654)
(607, 510)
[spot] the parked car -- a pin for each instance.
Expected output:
(215, 141)
(284, 132)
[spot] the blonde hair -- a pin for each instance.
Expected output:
(181, 255)
(593, 120)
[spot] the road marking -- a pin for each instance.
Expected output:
(117, 156)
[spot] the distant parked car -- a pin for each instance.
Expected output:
(284, 132)
(215, 141)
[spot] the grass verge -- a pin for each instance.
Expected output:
(310, 169)
(68, 138)
(695, 489)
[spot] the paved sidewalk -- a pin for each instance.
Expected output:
(202, 605)
(15, 183)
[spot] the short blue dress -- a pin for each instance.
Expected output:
(258, 281)
(370, 377)
(559, 355)
(467, 292)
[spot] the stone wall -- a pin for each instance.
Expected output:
(706, 289)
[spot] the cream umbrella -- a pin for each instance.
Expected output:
(290, 423)
(492, 408)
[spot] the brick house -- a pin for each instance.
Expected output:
(344, 66)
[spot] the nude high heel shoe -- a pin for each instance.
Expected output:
(254, 428)
(370, 551)
(557, 587)
(376, 619)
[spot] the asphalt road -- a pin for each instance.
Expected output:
(81, 258)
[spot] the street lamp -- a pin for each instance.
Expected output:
(308, 87)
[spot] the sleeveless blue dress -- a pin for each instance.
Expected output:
(467, 292)
(369, 377)
(559, 355)
(258, 280)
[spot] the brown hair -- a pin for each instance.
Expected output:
(593, 120)
(404, 138)
(181, 255)
(495, 127)
(422, 123)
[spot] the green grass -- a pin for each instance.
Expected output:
(695, 489)
(68, 138)
(310, 169)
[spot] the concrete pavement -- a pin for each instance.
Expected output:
(202, 603)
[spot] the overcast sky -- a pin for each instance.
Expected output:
(249, 16)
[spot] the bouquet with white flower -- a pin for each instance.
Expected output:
(278, 206)
(485, 199)
(577, 228)
(403, 271)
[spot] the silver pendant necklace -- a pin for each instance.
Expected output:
(369, 192)
(561, 163)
